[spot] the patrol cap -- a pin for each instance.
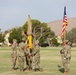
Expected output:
(36, 41)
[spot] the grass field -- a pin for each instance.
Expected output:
(50, 61)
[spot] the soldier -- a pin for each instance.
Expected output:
(14, 53)
(36, 56)
(26, 56)
(66, 56)
(21, 54)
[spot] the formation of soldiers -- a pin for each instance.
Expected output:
(25, 54)
(32, 56)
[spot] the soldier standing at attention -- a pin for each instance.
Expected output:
(14, 53)
(66, 56)
(36, 56)
(21, 54)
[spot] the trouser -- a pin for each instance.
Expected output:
(62, 57)
(30, 59)
(36, 62)
(14, 61)
(21, 62)
(27, 62)
(14, 58)
(67, 64)
(30, 62)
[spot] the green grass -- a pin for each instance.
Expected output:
(50, 60)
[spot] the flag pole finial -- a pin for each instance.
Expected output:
(65, 4)
(28, 15)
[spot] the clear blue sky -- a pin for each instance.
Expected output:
(14, 13)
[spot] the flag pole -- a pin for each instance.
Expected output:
(65, 27)
(29, 32)
(30, 46)
(64, 35)
(65, 24)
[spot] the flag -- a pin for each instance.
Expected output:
(65, 23)
(29, 32)
(29, 29)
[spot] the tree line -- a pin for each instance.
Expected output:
(40, 31)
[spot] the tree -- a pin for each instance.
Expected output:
(71, 35)
(1, 37)
(16, 33)
(54, 42)
(40, 31)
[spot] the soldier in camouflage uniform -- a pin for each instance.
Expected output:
(14, 53)
(26, 56)
(21, 54)
(66, 56)
(36, 56)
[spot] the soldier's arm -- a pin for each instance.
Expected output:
(26, 50)
(69, 52)
(12, 46)
(12, 53)
(36, 51)
(62, 51)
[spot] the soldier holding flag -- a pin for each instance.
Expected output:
(36, 57)
(66, 50)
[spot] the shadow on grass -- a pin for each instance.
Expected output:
(37, 69)
(16, 68)
(61, 69)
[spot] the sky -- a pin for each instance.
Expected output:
(14, 13)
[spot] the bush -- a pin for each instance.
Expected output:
(54, 42)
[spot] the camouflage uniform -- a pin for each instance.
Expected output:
(66, 56)
(26, 56)
(29, 57)
(62, 56)
(21, 55)
(14, 54)
(36, 57)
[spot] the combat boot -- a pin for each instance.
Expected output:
(41, 69)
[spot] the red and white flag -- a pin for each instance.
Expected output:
(65, 23)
